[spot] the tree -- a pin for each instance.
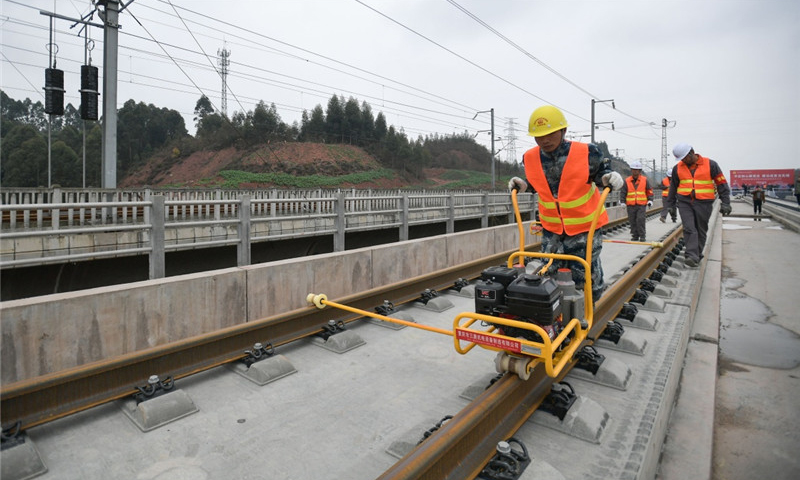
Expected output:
(94, 164)
(202, 108)
(265, 122)
(380, 127)
(367, 125)
(65, 166)
(72, 136)
(313, 128)
(334, 120)
(23, 111)
(132, 135)
(174, 125)
(26, 164)
(72, 117)
(352, 121)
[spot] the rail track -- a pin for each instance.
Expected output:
(460, 449)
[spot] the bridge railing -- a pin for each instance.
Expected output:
(47, 232)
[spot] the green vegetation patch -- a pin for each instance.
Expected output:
(465, 179)
(233, 178)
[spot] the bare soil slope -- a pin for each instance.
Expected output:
(201, 168)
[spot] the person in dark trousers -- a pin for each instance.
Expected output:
(673, 212)
(694, 185)
(638, 196)
(568, 176)
(758, 199)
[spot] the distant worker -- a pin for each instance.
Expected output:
(673, 212)
(566, 175)
(638, 196)
(694, 184)
(759, 198)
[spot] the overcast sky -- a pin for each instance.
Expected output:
(725, 74)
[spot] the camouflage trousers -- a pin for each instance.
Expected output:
(576, 245)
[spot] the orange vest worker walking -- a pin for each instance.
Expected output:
(695, 183)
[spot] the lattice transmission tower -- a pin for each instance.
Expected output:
(224, 61)
(511, 142)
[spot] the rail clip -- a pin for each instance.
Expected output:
(258, 353)
(154, 388)
(508, 462)
(559, 400)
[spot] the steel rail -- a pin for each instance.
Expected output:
(464, 444)
(48, 397)
(38, 400)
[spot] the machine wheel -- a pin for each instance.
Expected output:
(505, 362)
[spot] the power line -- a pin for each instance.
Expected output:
(529, 55)
(524, 52)
(455, 54)
(376, 75)
(261, 79)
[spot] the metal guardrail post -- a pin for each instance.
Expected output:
(243, 250)
(485, 217)
(338, 239)
(148, 197)
(403, 218)
(158, 221)
(451, 213)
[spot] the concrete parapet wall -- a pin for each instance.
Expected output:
(50, 333)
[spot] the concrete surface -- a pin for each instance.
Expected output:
(339, 414)
(757, 431)
(736, 417)
(45, 334)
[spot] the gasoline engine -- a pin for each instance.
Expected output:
(514, 294)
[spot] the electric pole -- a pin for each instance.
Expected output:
(664, 125)
(598, 123)
(110, 17)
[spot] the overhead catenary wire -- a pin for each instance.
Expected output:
(334, 89)
(538, 61)
(427, 96)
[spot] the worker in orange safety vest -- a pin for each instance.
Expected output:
(568, 177)
(638, 196)
(695, 183)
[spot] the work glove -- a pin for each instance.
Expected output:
(649, 203)
(725, 209)
(517, 183)
(614, 180)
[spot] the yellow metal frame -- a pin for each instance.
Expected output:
(554, 354)
(320, 300)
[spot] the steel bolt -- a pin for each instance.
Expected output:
(503, 448)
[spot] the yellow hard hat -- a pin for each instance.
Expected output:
(546, 120)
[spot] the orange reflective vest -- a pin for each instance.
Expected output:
(665, 183)
(700, 185)
(637, 195)
(573, 211)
